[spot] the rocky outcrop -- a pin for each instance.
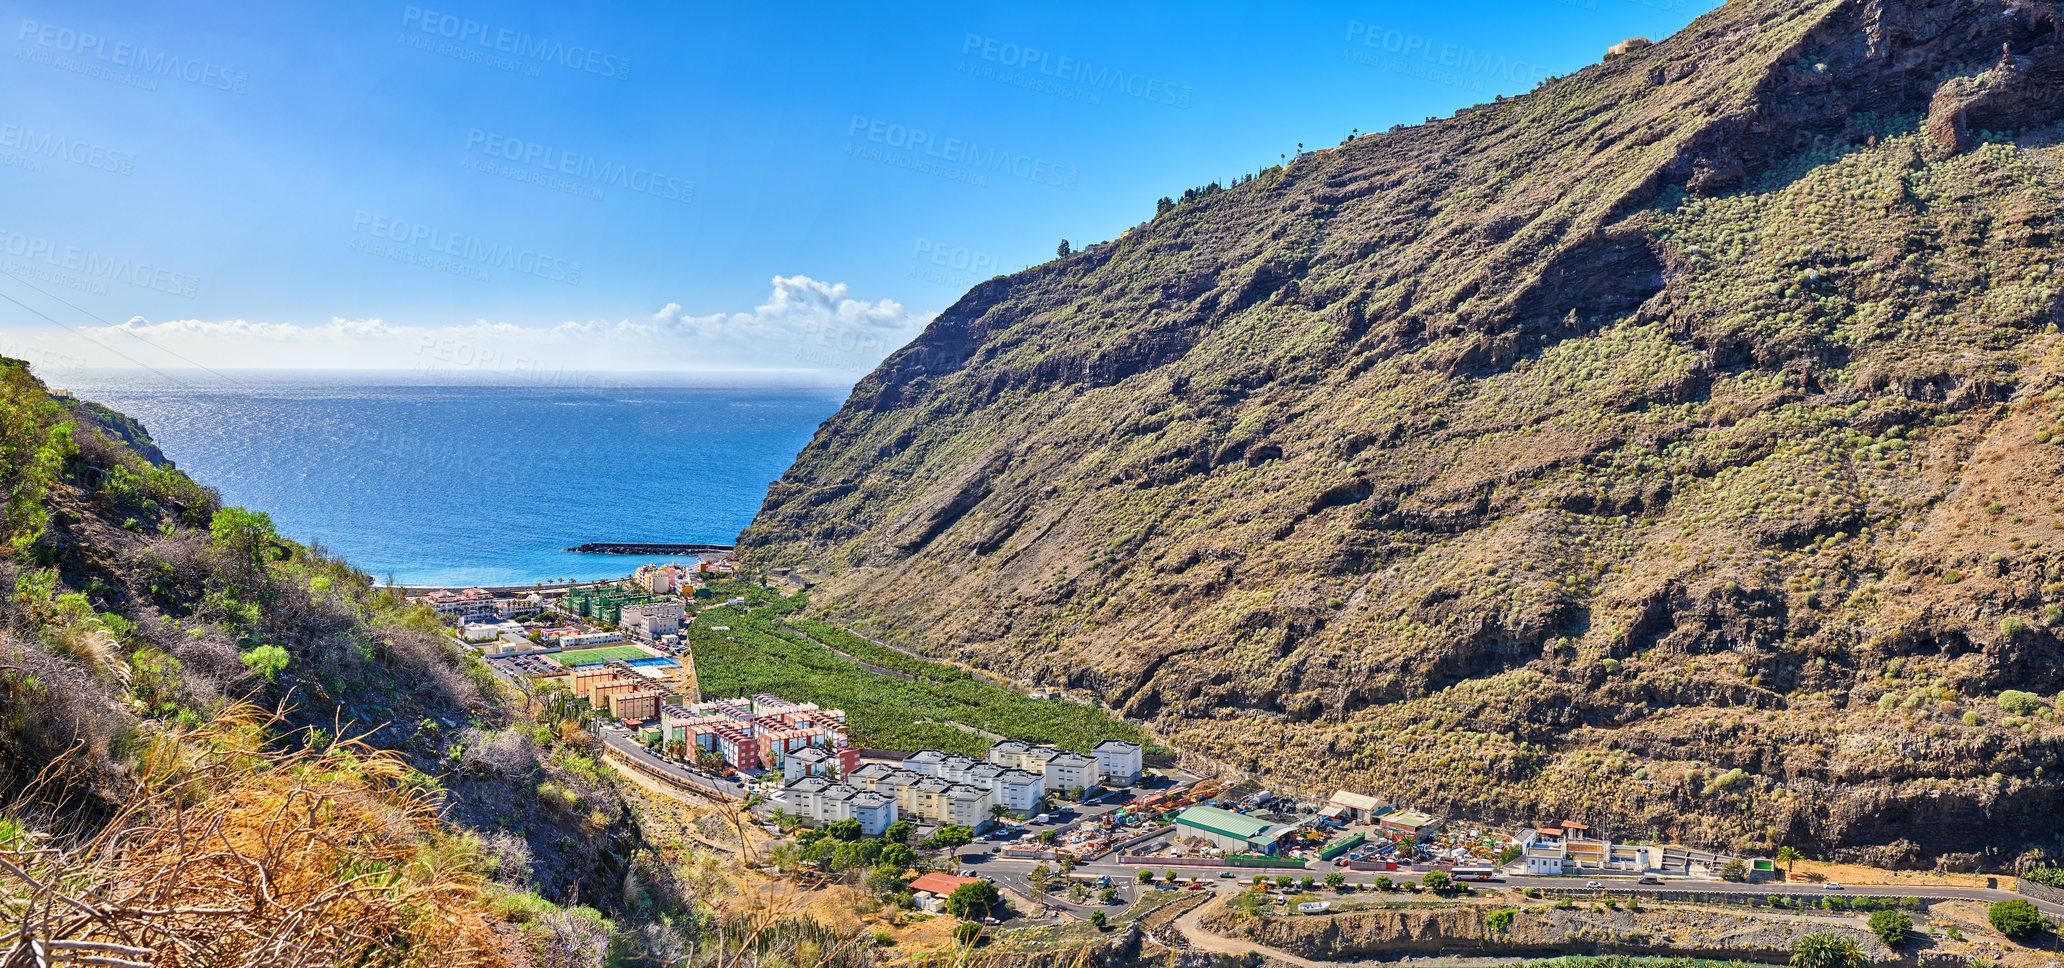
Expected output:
(1541, 930)
(2021, 90)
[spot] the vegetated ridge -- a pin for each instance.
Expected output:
(1676, 446)
(219, 746)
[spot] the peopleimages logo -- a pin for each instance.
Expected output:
(1466, 62)
(944, 264)
(135, 57)
(87, 263)
(502, 40)
(43, 144)
(1096, 77)
(434, 248)
(965, 153)
(587, 168)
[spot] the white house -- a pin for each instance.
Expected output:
(489, 631)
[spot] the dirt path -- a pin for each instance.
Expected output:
(1191, 927)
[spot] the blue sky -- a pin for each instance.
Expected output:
(531, 186)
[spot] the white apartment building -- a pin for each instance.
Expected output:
(1060, 769)
(824, 802)
(1016, 790)
(808, 761)
(650, 620)
(1119, 761)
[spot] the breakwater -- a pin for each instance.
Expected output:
(637, 548)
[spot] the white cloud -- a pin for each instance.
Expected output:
(803, 326)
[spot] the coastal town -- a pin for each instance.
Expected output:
(1076, 832)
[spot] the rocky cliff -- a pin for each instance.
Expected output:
(1539, 930)
(1676, 445)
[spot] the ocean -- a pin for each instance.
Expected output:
(435, 482)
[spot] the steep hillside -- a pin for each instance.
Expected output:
(225, 747)
(1677, 445)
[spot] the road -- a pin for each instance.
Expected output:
(1191, 927)
(621, 742)
(1016, 874)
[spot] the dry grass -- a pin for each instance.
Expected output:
(1814, 872)
(228, 853)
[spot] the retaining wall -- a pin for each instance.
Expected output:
(2040, 891)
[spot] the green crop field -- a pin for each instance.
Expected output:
(609, 653)
(766, 650)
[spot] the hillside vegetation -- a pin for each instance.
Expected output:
(220, 747)
(917, 704)
(1677, 446)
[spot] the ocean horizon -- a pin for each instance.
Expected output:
(472, 477)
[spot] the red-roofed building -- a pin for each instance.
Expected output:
(940, 885)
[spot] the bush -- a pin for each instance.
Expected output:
(2051, 876)
(2012, 626)
(1436, 881)
(967, 934)
(2020, 703)
(1891, 927)
(266, 660)
(845, 831)
(972, 901)
(1382, 882)
(1098, 920)
(2015, 919)
(1498, 921)
(1735, 871)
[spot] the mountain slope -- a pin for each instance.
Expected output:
(398, 808)
(1670, 445)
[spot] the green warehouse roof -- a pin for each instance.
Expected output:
(1223, 822)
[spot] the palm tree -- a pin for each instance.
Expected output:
(1826, 951)
(1787, 856)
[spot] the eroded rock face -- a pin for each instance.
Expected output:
(1671, 446)
(2022, 90)
(1662, 931)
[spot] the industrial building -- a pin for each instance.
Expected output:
(1236, 833)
